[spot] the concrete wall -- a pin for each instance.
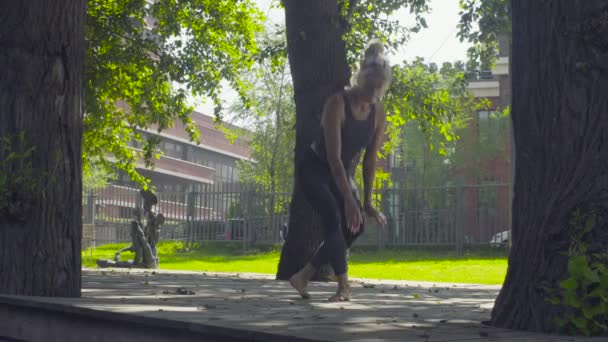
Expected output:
(40, 320)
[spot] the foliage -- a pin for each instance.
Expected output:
(18, 186)
(234, 210)
(143, 58)
(361, 21)
(493, 20)
(96, 176)
(494, 133)
(483, 23)
(272, 119)
(492, 140)
(426, 107)
(425, 128)
(439, 101)
(364, 20)
(424, 166)
(583, 294)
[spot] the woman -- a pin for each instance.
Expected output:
(352, 120)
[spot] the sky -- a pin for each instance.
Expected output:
(437, 43)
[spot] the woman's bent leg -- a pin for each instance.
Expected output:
(316, 185)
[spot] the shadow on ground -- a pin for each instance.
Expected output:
(379, 311)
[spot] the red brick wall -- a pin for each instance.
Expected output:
(210, 136)
(498, 170)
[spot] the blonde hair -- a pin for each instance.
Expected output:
(374, 56)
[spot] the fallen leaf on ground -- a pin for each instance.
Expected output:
(183, 291)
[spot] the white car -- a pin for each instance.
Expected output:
(500, 239)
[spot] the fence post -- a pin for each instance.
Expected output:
(388, 199)
(382, 207)
(189, 218)
(460, 200)
(246, 212)
(274, 233)
(89, 233)
(90, 208)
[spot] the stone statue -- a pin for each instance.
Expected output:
(145, 233)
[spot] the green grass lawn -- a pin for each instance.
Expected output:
(482, 266)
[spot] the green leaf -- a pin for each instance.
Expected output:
(569, 284)
(577, 266)
(592, 275)
(571, 299)
(581, 324)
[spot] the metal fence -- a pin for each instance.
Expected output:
(451, 216)
(250, 216)
(455, 216)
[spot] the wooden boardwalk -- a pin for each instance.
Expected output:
(379, 311)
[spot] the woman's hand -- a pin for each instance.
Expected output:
(375, 215)
(353, 215)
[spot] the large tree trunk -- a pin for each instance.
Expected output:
(560, 126)
(41, 85)
(317, 57)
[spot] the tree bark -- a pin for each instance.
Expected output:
(41, 86)
(317, 58)
(560, 127)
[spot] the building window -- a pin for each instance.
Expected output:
(224, 172)
(173, 150)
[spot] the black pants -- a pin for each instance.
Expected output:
(318, 185)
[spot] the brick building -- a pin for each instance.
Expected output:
(187, 167)
(466, 195)
(488, 199)
(196, 181)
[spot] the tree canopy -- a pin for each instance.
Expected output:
(272, 120)
(483, 23)
(143, 60)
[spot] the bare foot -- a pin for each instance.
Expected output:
(342, 295)
(299, 283)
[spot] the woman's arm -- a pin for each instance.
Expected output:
(371, 152)
(332, 120)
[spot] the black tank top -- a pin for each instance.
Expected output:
(356, 135)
